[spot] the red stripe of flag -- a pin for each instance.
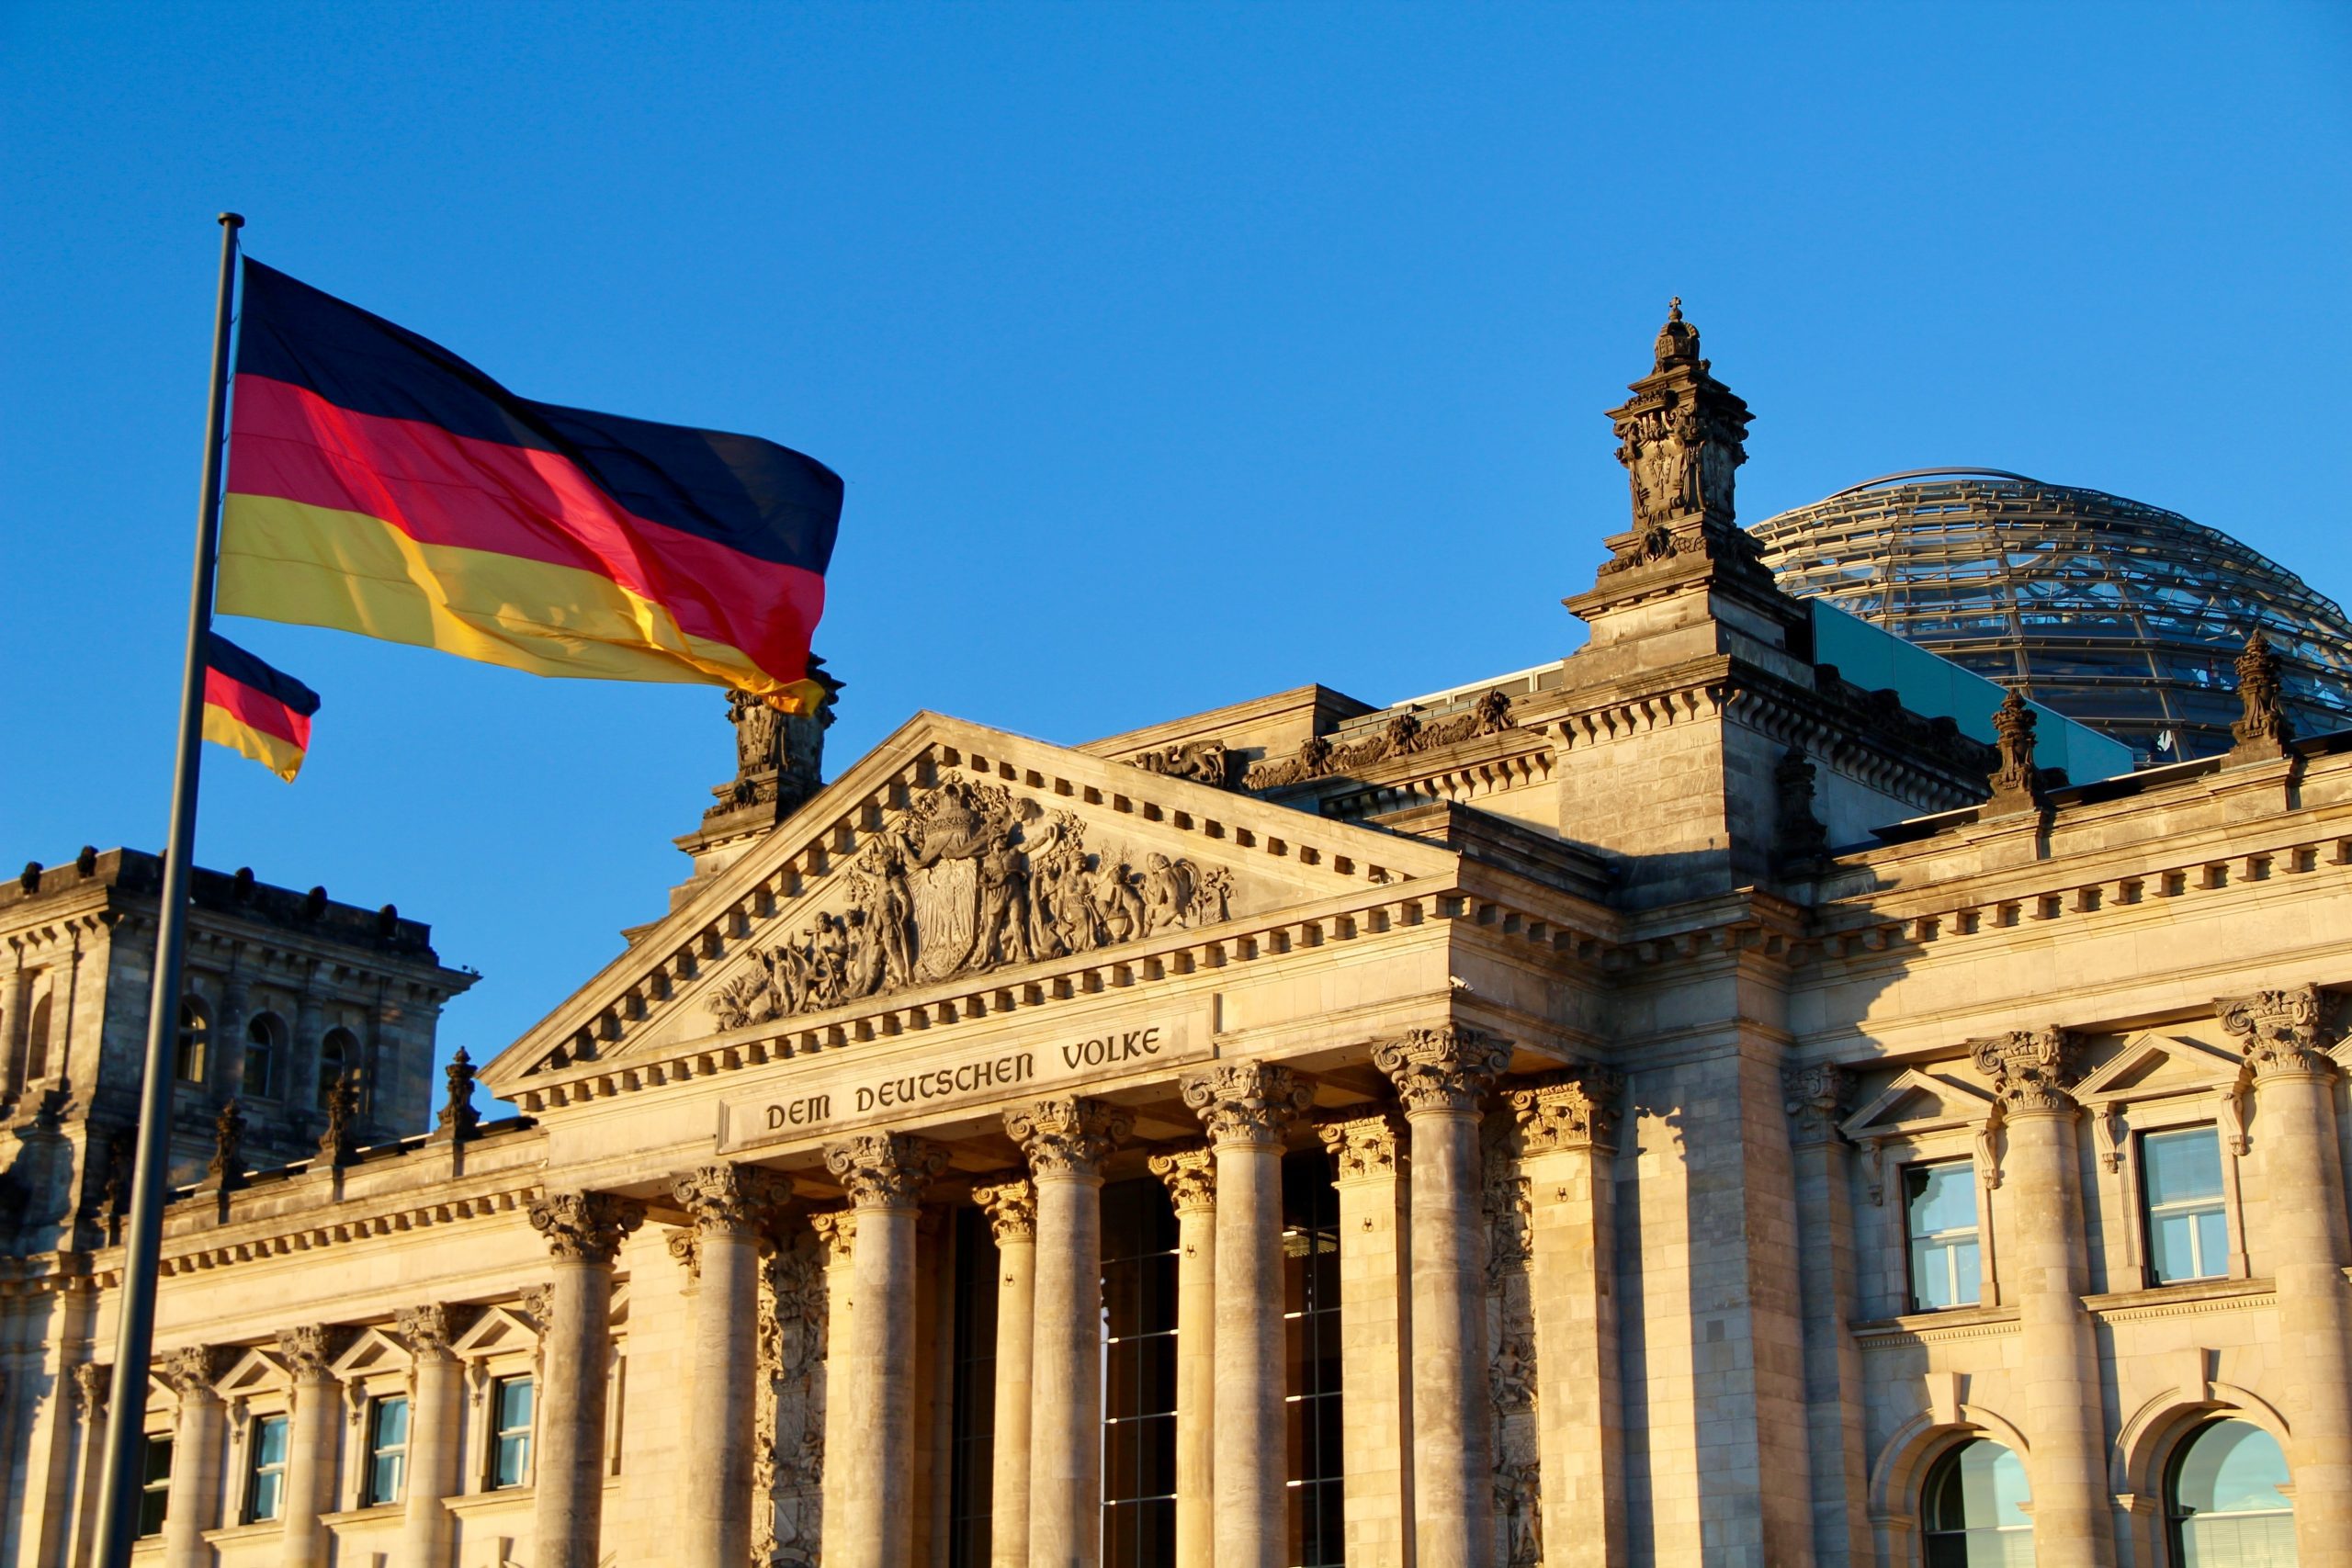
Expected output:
(258, 710)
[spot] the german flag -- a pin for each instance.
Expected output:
(252, 708)
(379, 484)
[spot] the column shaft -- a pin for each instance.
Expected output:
(837, 1229)
(1012, 1210)
(728, 1202)
(309, 1470)
(583, 1231)
(2058, 1359)
(1375, 1379)
(192, 1507)
(1833, 1363)
(428, 1531)
(1190, 1176)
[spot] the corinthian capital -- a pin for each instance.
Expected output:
(1247, 1102)
(1011, 1209)
(730, 1197)
(1363, 1147)
(1190, 1176)
(307, 1350)
(836, 1232)
(429, 1331)
(2278, 1032)
(1068, 1136)
(1814, 1097)
(1448, 1068)
(885, 1170)
(2032, 1069)
(1573, 1108)
(191, 1370)
(586, 1225)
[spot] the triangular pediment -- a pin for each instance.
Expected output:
(497, 1330)
(1918, 1101)
(954, 858)
(373, 1351)
(2152, 1067)
(251, 1373)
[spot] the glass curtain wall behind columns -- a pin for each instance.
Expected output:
(970, 1480)
(1139, 1375)
(1311, 1358)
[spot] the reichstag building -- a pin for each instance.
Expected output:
(1755, 1091)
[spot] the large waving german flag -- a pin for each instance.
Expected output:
(379, 484)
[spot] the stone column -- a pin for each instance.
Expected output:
(1190, 1176)
(1247, 1108)
(196, 1452)
(1065, 1141)
(583, 1232)
(1442, 1077)
(2294, 1098)
(428, 1531)
(93, 1382)
(1833, 1363)
(2047, 1256)
(1011, 1209)
(228, 1064)
(302, 1071)
(1567, 1131)
(836, 1229)
(11, 1028)
(731, 1205)
(308, 1354)
(1375, 1377)
(884, 1174)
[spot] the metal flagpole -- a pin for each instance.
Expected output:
(122, 1476)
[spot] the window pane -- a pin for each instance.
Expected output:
(269, 1440)
(158, 1469)
(385, 1473)
(1943, 1197)
(2182, 1166)
(391, 1422)
(514, 1403)
(2231, 1467)
(2212, 1242)
(1968, 1288)
(506, 1466)
(268, 1487)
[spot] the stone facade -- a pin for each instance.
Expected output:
(1605, 1025)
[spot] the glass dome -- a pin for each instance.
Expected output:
(2124, 615)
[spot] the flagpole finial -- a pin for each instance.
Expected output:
(233, 220)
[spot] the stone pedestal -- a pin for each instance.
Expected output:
(1442, 1077)
(1011, 1209)
(1065, 1142)
(195, 1453)
(310, 1442)
(1191, 1178)
(583, 1232)
(428, 1531)
(1375, 1379)
(731, 1205)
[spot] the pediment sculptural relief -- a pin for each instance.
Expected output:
(969, 878)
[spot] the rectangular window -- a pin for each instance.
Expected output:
(973, 1468)
(1311, 1355)
(155, 1484)
(265, 1480)
(387, 1450)
(1939, 1215)
(1139, 1376)
(510, 1432)
(2180, 1185)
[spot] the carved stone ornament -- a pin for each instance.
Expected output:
(1190, 1176)
(1681, 437)
(968, 879)
(2017, 783)
(1816, 1100)
(1246, 1103)
(836, 1231)
(1011, 1209)
(2262, 728)
(1067, 1135)
(2032, 1069)
(1203, 761)
(191, 1370)
(93, 1386)
(684, 1243)
(2280, 1032)
(227, 1167)
(1447, 1069)
(1363, 1146)
(1404, 735)
(1573, 1108)
(779, 757)
(309, 1349)
(585, 1225)
(339, 1144)
(1797, 833)
(730, 1197)
(538, 1303)
(458, 1118)
(430, 1330)
(885, 1170)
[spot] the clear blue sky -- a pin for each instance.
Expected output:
(1173, 355)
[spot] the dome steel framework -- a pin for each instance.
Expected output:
(2124, 615)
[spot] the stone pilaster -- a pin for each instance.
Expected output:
(196, 1442)
(1568, 1128)
(13, 990)
(93, 1383)
(428, 1531)
(730, 1205)
(1247, 1108)
(1375, 1376)
(884, 1174)
(1442, 1077)
(1190, 1176)
(1065, 1141)
(2047, 1257)
(302, 1072)
(1833, 1363)
(309, 1353)
(2294, 1094)
(227, 1068)
(836, 1231)
(1012, 1208)
(583, 1231)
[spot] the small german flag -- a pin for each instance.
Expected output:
(252, 708)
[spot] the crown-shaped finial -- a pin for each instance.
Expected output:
(1677, 340)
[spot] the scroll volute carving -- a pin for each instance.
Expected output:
(1068, 1135)
(2032, 1070)
(1247, 1103)
(885, 1170)
(1449, 1068)
(2278, 1032)
(588, 1226)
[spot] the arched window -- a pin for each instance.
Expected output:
(264, 1054)
(1972, 1505)
(2225, 1502)
(338, 1054)
(196, 1031)
(36, 1043)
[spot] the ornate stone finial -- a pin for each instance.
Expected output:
(191, 1370)
(339, 1144)
(1190, 1175)
(779, 757)
(309, 1351)
(1449, 1068)
(2017, 783)
(1797, 834)
(1011, 1209)
(730, 1197)
(227, 1167)
(2032, 1069)
(459, 1116)
(1680, 439)
(685, 1251)
(1363, 1145)
(1815, 1099)
(430, 1330)
(885, 1170)
(1575, 1108)
(1677, 340)
(585, 1225)
(1247, 1102)
(2280, 1032)
(2263, 728)
(836, 1232)
(1067, 1135)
